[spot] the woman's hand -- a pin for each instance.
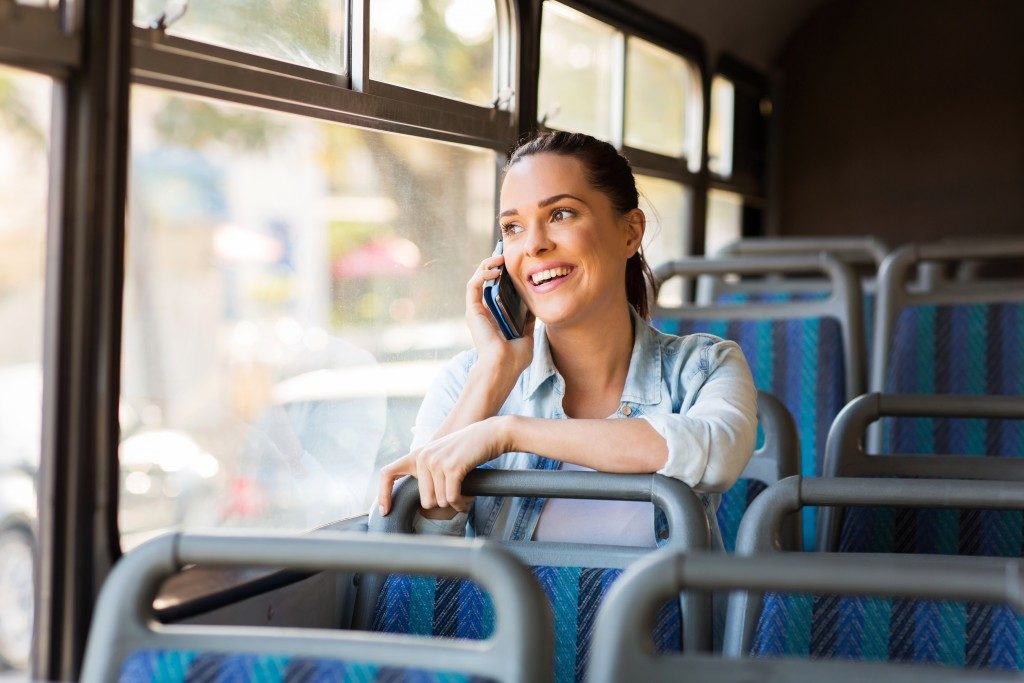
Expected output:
(491, 346)
(440, 466)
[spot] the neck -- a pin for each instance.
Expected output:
(594, 356)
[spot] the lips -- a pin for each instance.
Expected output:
(546, 279)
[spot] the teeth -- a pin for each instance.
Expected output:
(549, 274)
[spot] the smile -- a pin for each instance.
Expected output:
(551, 274)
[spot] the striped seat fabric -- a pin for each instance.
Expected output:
(800, 360)
(170, 666)
(968, 349)
(957, 634)
(734, 503)
(930, 531)
(458, 608)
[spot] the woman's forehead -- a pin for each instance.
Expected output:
(537, 177)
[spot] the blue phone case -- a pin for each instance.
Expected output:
(492, 289)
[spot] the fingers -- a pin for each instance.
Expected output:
(388, 475)
(426, 485)
(453, 490)
(487, 270)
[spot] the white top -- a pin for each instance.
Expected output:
(608, 522)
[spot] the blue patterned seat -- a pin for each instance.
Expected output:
(458, 608)
(171, 666)
(887, 629)
(734, 503)
(799, 360)
(969, 349)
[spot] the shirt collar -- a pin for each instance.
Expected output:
(643, 380)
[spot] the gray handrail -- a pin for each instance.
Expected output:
(843, 302)
(759, 529)
(858, 250)
(779, 455)
(519, 650)
(622, 647)
(687, 521)
(846, 453)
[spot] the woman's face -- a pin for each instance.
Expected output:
(565, 245)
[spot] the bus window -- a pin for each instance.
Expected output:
(578, 73)
(24, 138)
(667, 205)
(309, 33)
(292, 286)
(720, 133)
(663, 102)
(725, 220)
(444, 47)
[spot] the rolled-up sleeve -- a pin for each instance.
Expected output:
(711, 440)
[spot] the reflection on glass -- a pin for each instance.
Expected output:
(667, 206)
(306, 32)
(720, 131)
(725, 220)
(444, 47)
(659, 88)
(24, 136)
(577, 72)
(292, 287)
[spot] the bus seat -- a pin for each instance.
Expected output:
(957, 532)
(126, 644)
(775, 624)
(574, 577)
(965, 339)
(776, 457)
(806, 353)
(991, 586)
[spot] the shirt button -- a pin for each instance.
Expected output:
(627, 411)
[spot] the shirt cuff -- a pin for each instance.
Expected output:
(456, 526)
(687, 452)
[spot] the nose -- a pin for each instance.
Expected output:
(538, 241)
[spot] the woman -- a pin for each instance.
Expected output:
(685, 407)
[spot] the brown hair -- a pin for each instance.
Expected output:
(609, 172)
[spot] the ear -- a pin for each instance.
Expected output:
(636, 225)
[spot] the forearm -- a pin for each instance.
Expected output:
(486, 390)
(628, 446)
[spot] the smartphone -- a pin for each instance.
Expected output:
(503, 300)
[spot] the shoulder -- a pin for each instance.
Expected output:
(698, 353)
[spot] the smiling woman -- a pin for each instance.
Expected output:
(592, 383)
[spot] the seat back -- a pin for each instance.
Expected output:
(777, 456)
(622, 650)
(934, 508)
(964, 340)
(808, 353)
(125, 643)
(575, 577)
(846, 456)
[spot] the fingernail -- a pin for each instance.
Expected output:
(383, 512)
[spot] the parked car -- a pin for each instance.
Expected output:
(165, 478)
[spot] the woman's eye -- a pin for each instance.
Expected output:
(562, 214)
(510, 229)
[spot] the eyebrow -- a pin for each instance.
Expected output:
(544, 202)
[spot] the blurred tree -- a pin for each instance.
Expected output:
(16, 116)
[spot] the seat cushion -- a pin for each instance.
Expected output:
(969, 349)
(799, 360)
(459, 608)
(171, 666)
(734, 503)
(929, 531)
(889, 629)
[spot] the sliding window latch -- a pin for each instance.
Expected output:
(173, 11)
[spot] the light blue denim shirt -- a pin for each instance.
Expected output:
(695, 391)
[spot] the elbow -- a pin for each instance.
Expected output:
(730, 451)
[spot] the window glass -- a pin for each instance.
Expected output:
(445, 47)
(667, 206)
(24, 137)
(306, 32)
(720, 130)
(659, 88)
(578, 58)
(725, 220)
(292, 287)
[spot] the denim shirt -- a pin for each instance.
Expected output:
(695, 391)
